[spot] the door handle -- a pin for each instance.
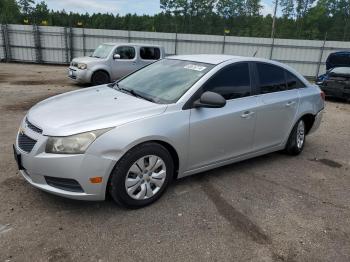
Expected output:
(247, 114)
(290, 103)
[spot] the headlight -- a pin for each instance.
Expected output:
(75, 144)
(82, 66)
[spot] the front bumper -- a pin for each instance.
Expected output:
(80, 76)
(336, 92)
(37, 166)
(317, 122)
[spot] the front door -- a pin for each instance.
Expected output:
(218, 134)
(127, 62)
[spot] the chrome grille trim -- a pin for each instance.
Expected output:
(33, 127)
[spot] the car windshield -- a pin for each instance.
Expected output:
(165, 81)
(102, 51)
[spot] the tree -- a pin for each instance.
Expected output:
(287, 8)
(305, 19)
(252, 7)
(41, 12)
(230, 8)
(26, 6)
(302, 7)
(9, 11)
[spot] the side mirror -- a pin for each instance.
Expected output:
(116, 56)
(210, 100)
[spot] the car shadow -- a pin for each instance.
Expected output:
(337, 100)
(57, 203)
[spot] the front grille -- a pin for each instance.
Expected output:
(33, 127)
(25, 142)
(66, 184)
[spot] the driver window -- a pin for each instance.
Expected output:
(125, 52)
(231, 82)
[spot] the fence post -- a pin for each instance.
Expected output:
(37, 43)
(6, 40)
(129, 36)
(321, 55)
(84, 42)
(272, 45)
(71, 50)
(66, 44)
(223, 44)
(176, 43)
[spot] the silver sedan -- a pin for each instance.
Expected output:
(176, 117)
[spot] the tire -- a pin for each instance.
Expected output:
(100, 78)
(296, 140)
(129, 179)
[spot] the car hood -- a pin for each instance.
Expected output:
(86, 59)
(89, 109)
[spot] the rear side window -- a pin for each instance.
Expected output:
(293, 82)
(231, 82)
(271, 78)
(125, 52)
(150, 53)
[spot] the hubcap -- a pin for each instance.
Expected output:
(300, 134)
(145, 177)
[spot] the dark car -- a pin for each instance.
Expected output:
(337, 82)
(336, 59)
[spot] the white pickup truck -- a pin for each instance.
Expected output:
(111, 61)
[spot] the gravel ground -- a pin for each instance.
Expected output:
(270, 208)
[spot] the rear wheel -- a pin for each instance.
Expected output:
(296, 140)
(100, 78)
(141, 176)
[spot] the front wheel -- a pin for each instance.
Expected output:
(141, 176)
(296, 140)
(100, 78)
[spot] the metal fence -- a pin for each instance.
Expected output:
(58, 45)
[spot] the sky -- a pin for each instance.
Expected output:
(122, 6)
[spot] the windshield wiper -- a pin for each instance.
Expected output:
(132, 92)
(113, 84)
(137, 94)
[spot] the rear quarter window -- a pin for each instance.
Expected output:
(293, 82)
(150, 53)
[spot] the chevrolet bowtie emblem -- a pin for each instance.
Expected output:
(21, 131)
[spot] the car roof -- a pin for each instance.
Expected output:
(339, 53)
(218, 59)
(131, 44)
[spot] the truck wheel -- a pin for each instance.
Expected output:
(100, 78)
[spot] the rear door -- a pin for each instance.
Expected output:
(278, 104)
(127, 62)
(218, 134)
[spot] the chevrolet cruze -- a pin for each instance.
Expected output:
(176, 117)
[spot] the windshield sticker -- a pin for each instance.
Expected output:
(195, 67)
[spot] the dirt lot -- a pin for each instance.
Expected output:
(271, 208)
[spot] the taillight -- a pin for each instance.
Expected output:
(323, 96)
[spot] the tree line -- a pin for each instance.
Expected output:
(298, 19)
